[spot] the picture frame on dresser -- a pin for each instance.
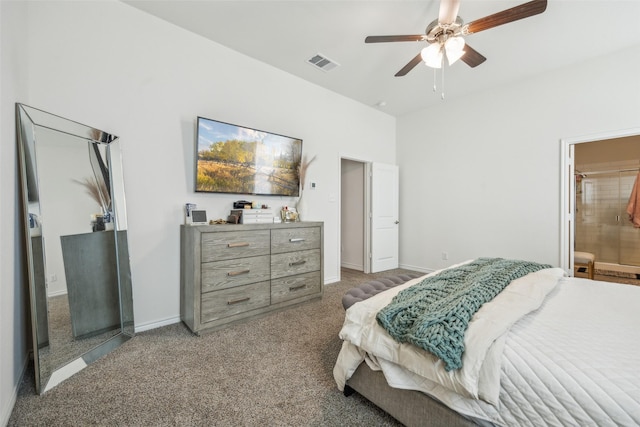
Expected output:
(234, 272)
(198, 217)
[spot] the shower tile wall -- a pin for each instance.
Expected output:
(602, 226)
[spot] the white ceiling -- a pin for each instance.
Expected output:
(285, 34)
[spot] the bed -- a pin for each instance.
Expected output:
(546, 350)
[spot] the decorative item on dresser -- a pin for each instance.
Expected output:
(233, 272)
(301, 207)
(256, 216)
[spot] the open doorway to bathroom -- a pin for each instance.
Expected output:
(605, 172)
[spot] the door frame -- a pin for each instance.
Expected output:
(567, 190)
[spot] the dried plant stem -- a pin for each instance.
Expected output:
(97, 192)
(302, 169)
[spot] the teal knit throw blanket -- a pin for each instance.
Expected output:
(435, 313)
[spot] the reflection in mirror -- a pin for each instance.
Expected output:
(76, 239)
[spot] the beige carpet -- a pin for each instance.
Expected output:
(276, 370)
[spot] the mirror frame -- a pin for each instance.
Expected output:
(28, 120)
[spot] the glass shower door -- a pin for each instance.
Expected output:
(602, 224)
(597, 210)
(629, 236)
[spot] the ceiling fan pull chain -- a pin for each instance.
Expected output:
(435, 70)
(442, 83)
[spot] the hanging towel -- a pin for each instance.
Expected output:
(633, 208)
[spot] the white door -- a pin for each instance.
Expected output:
(384, 217)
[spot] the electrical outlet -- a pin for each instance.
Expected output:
(445, 256)
(53, 277)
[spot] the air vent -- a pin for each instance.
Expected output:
(322, 62)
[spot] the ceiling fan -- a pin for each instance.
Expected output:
(445, 34)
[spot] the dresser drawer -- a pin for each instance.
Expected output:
(295, 239)
(288, 288)
(228, 302)
(295, 263)
(257, 220)
(234, 244)
(234, 272)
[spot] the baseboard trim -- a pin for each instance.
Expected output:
(57, 293)
(156, 324)
(352, 266)
(416, 268)
(7, 408)
(330, 280)
(172, 320)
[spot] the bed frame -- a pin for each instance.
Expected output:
(410, 407)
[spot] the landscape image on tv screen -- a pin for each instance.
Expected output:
(237, 159)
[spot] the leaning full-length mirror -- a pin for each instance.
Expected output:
(76, 239)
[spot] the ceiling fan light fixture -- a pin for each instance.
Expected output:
(450, 26)
(454, 48)
(432, 55)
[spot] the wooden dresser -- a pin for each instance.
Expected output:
(232, 272)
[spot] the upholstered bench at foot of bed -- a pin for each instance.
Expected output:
(375, 286)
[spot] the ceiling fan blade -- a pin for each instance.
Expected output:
(472, 57)
(384, 39)
(410, 66)
(448, 11)
(522, 11)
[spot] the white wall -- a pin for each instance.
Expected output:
(14, 333)
(481, 176)
(114, 67)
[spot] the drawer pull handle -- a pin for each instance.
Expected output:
(238, 301)
(296, 239)
(295, 288)
(237, 273)
(238, 245)
(293, 264)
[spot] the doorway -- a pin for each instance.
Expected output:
(369, 225)
(598, 174)
(352, 215)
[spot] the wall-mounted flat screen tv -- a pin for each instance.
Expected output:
(241, 160)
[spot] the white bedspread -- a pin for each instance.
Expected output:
(573, 361)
